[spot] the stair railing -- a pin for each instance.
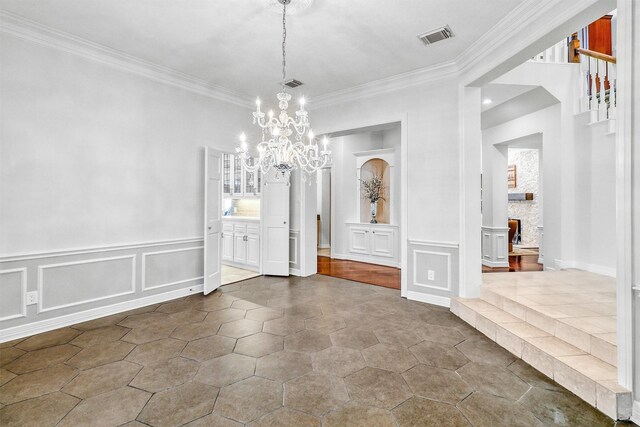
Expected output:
(598, 82)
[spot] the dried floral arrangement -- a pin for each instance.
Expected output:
(372, 188)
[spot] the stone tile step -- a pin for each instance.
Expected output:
(594, 335)
(587, 376)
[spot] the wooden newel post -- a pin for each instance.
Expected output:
(574, 44)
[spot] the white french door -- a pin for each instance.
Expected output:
(275, 208)
(212, 219)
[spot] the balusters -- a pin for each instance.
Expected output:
(593, 99)
(602, 99)
(584, 86)
(612, 90)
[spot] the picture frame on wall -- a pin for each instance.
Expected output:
(511, 176)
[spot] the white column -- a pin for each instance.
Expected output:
(470, 216)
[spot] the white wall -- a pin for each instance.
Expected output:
(94, 157)
(578, 169)
(430, 114)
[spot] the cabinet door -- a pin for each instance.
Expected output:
(227, 160)
(237, 177)
(359, 240)
(239, 248)
(253, 251)
(227, 246)
(382, 242)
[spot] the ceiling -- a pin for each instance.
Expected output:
(331, 46)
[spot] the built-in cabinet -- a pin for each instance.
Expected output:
(238, 181)
(241, 243)
(374, 243)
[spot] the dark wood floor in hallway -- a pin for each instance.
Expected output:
(517, 263)
(373, 274)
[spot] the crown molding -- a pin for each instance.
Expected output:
(37, 33)
(500, 33)
(385, 85)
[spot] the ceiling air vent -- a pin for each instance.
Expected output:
(436, 35)
(293, 83)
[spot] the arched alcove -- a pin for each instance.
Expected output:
(380, 167)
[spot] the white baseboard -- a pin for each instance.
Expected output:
(635, 414)
(429, 299)
(338, 256)
(369, 260)
(497, 264)
(324, 246)
(38, 327)
(591, 268)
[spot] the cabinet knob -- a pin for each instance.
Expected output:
(209, 227)
(373, 232)
(284, 222)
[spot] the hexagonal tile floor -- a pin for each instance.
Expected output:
(278, 351)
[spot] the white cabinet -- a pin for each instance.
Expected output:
(241, 243)
(227, 242)
(237, 181)
(374, 243)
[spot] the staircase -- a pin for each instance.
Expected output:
(562, 323)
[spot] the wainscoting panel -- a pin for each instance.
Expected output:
(73, 283)
(294, 252)
(13, 288)
(81, 284)
(495, 246)
(441, 258)
(172, 267)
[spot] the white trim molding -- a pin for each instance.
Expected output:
(163, 285)
(41, 282)
(429, 299)
(23, 287)
(591, 268)
(37, 33)
(33, 328)
(95, 250)
(415, 269)
(495, 246)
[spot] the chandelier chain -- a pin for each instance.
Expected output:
(284, 43)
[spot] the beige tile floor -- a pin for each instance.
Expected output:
(279, 352)
(232, 274)
(586, 301)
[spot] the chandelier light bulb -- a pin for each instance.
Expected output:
(270, 114)
(311, 135)
(325, 142)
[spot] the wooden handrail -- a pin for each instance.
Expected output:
(597, 55)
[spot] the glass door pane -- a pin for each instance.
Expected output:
(249, 179)
(226, 174)
(237, 176)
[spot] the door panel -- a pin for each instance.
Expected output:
(382, 241)
(227, 246)
(275, 207)
(359, 240)
(253, 250)
(239, 248)
(213, 219)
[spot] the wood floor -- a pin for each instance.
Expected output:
(373, 274)
(517, 263)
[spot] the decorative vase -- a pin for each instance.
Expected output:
(374, 211)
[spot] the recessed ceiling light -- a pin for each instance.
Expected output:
(487, 101)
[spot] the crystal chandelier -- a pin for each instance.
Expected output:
(277, 150)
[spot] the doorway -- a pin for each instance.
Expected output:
(359, 235)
